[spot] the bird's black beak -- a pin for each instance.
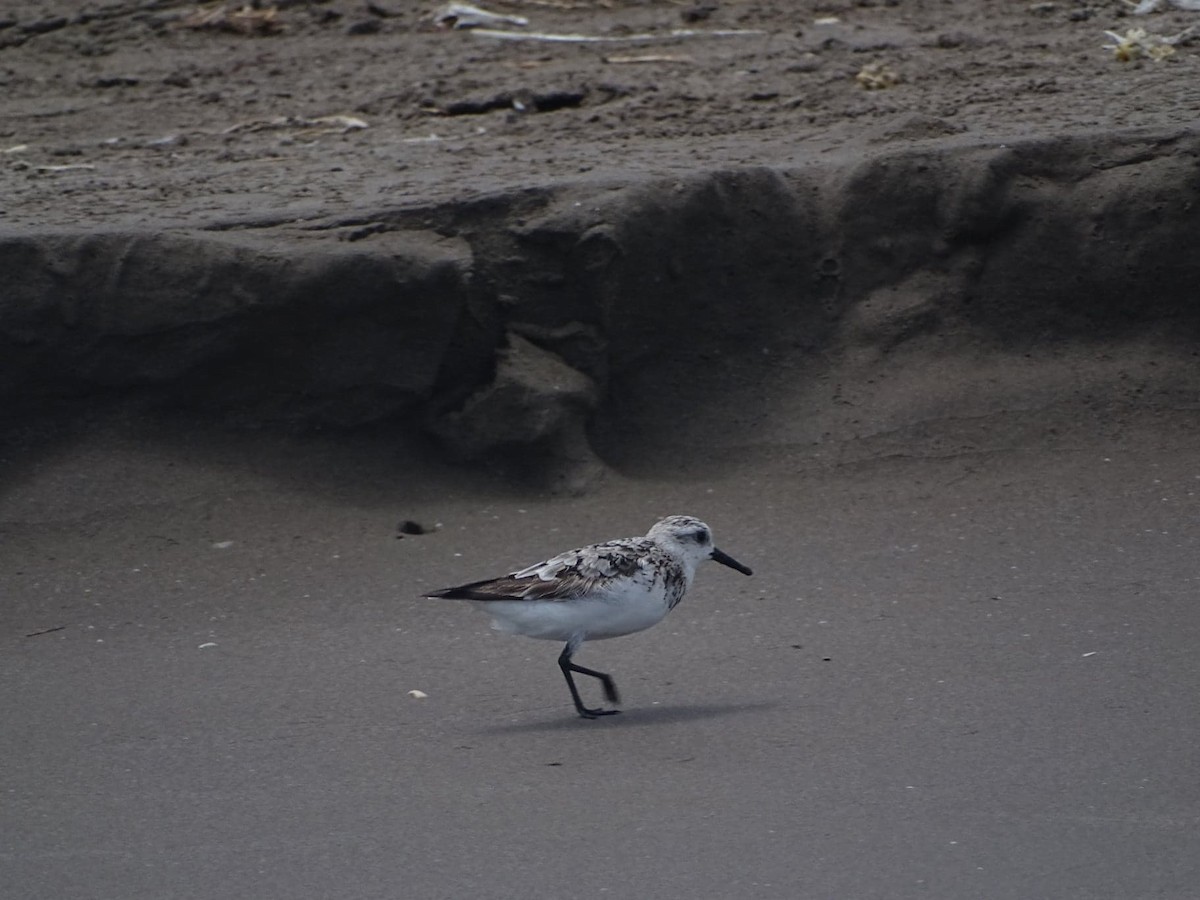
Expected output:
(726, 560)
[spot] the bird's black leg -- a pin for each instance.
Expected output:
(610, 689)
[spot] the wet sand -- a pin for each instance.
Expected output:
(970, 674)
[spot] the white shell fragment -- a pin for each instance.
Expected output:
(463, 15)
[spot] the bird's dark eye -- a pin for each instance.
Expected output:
(701, 536)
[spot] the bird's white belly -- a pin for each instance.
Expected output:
(585, 619)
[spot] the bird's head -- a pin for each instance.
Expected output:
(692, 540)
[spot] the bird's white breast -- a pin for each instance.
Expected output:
(623, 606)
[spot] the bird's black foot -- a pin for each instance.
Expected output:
(610, 691)
(586, 713)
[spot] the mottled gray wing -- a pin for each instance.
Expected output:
(568, 576)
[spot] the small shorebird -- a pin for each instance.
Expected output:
(596, 592)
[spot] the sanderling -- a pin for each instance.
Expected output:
(602, 591)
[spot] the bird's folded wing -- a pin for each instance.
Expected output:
(512, 588)
(568, 576)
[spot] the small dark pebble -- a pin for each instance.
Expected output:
(826, 659)
(408, 526)
(697, 13)
(364, 26)
(549, 101)
(383, 12)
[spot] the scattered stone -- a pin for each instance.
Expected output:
(364, 26)
(108, 81)
(877, 77)
(245, 20)
(521, 101)
(697, 13)
(383, 12)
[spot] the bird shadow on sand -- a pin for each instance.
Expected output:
(633, 718)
